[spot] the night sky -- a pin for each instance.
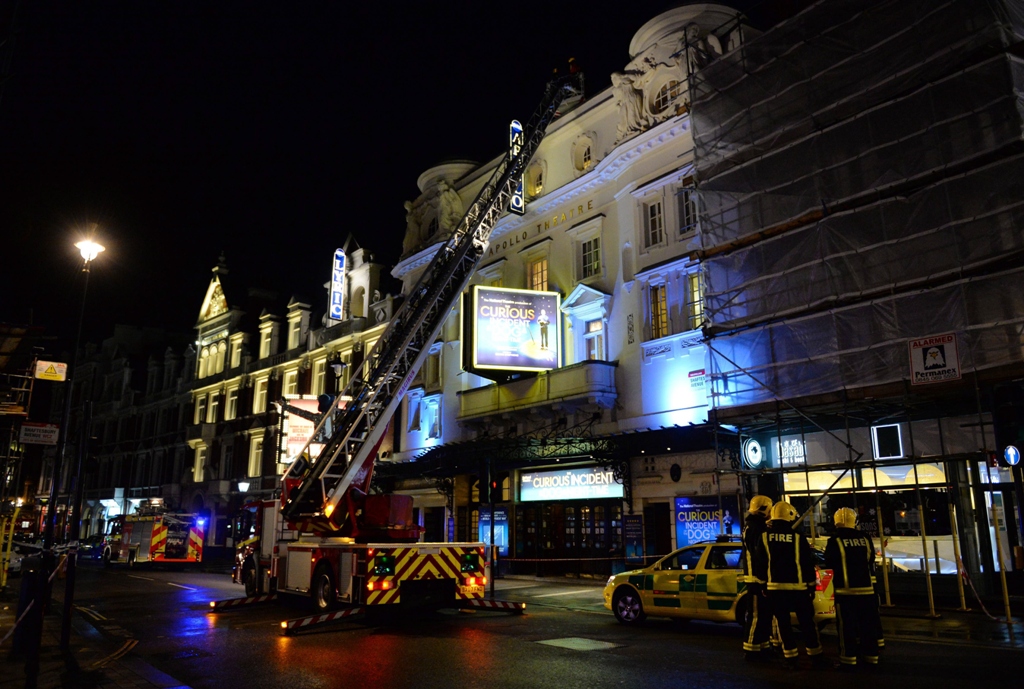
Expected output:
(266, 130)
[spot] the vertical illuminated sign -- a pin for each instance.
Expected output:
(337, 306)
(517, 204)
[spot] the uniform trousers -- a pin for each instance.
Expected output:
(757, 624)
(858, 625)
(785, 602)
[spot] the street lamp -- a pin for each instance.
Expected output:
(89, 249)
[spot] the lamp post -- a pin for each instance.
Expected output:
(89, 250)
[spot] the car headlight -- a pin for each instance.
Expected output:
(610, 580)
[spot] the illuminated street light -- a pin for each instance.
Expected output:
(90, 250)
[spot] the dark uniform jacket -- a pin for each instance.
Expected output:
(752, 532)
(850, 555)
(784, 559)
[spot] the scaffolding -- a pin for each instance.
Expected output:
(857, 168)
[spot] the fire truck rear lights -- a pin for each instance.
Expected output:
(369, 552)
(476, 581)
(284, 625)
(378, 586)
(329, 510)
(213, 604)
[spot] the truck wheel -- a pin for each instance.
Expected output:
(251, 579)
(322, 590)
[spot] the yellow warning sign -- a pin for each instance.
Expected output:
(51, 370)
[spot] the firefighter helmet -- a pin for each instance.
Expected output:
(760, 504)
(845, 517)
(783, 510)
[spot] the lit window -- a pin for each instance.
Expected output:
(236, 354)
(211, 414)
(265, 344)
(536, 177)
(432, 416)
(590, 253)
(695, 300)
(200, 415)
(256, 456)
(537, 275)
(659, 311)
(231, 404)
(887, 441)
(204, 362)
(291, 383)
(654, 225)
(666, 94)
(294, 333)
(319, 376)
(587, 161)
(594, 340)
(687, 211)
(199, 467)
(259, 397)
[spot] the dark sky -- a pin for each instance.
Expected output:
(268, 130)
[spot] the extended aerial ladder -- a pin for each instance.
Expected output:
(321, 494)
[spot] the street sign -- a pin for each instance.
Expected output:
(1011, 455)
(39, 433)
(934, 359)
(51, 370)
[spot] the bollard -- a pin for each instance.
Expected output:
(924, 549)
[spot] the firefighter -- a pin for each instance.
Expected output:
(758, 621)
(851, 556)
(785, 562)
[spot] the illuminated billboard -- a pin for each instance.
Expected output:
(337, 305)
(514, 329)
(569, 484)
(299, 430)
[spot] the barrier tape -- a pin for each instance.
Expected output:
(970, 583)
(291, 625)
(232, 602)
(32, 602)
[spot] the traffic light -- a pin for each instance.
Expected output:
(494, 488)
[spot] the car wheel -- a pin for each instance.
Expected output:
(251, 579)
(322, 590)
(628, 607)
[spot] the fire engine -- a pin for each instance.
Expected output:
(152, 535)
(326, 536)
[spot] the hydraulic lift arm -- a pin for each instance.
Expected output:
(313, 491)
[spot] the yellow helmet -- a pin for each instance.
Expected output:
(845, 517)
(783, 510)
(760, 504)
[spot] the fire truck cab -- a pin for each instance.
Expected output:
(152, 535)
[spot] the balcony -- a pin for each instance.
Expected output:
(587, 386)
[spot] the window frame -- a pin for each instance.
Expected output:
(659, 323)
(260, 389)
(255, 466)
(231, 404)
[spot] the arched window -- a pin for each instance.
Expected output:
(666, 94)
(204, 362)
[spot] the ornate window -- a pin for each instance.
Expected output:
(535, 179)
(583, 152)
(319, 376)
(214, 406)
(593, 338)
(666, 95)
(537, 274)
(290, 385)
(654, 224)
(590, 257)
(658, 296)
(695, 300)
(259, 396)
(200, 415)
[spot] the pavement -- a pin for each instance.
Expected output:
(91, 660)
(105, 660)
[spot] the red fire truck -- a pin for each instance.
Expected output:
(154, 536)
(326, 536)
